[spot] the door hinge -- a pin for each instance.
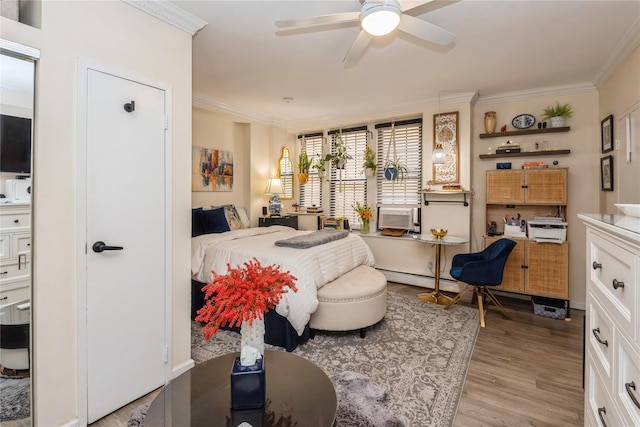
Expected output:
(165, 354)
(166, 122)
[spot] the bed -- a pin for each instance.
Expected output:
(287, 325)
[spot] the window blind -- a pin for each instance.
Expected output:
(349, 185)
(311, 192)
(408, 143)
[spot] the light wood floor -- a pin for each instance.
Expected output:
(523, 372)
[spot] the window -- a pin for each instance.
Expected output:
(408, 149)
(311, 192)
(349, 185)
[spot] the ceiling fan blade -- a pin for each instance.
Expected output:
(357, 49)
(408, 5)
(335, 18)
(425, 30)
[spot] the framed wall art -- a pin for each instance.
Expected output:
(211, 170)
(445, 133)
(606, 131)
(606, 173)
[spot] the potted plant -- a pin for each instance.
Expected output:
(394, 169)
(319, 165)
(557, 114)
(304, 164)
(369, 164)
(339, 158)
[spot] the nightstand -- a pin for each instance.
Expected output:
(289, 221)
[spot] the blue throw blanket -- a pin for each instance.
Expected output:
(313, 239)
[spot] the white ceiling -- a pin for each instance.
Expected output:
(242, 64)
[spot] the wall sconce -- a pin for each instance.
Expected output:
(274, 189)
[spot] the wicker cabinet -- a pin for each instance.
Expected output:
(528, 186)
(533, 268)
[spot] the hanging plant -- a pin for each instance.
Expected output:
(393, 169)
(369, 164)
(304, 164)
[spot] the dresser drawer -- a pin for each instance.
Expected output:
(5, 246)
(11, 220)
(20, 244)
(11, 296)
(600, 336)
(12, 271)
(599, 407)
(612, 270)
(627, 381)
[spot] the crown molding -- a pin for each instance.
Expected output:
(169, 13)
(209, 104)
(536, 93)
(627, 45)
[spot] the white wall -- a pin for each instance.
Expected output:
(106, 33)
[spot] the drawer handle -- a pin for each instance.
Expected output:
(630, 386)
(600, 412)
(4, 298)
(15, 221)
(617, 284)
(596, 265)
(4, 272)
(596, 333)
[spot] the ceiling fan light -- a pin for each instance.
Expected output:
(380, 20)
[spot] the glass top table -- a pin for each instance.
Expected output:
(298, 393)
(436, 297)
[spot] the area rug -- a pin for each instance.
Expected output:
(419, 353)
(14, 398)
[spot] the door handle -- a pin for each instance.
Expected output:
(101, 247)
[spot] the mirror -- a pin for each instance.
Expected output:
(16, 130)
(285, 173)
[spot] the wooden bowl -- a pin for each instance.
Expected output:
(439, 233)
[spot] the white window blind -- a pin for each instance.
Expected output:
(349, 185)
(408, 143)
(311, 192)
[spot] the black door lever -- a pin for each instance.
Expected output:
(101, 246)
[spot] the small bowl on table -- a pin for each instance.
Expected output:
(439, 233)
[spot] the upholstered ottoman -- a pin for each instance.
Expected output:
(353, 301)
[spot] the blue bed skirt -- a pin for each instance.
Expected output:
(278, 330)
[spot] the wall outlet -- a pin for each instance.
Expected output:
(617, 144)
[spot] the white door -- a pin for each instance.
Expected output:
(125, 202)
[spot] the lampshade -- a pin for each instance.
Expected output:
(379, 19)
(274, 186)
(438, 157)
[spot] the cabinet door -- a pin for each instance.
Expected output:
(505, 186)
(546, 186)
(512, 277)
(547, 269)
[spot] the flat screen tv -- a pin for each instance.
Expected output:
(15, 144)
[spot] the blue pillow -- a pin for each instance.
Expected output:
(214, 221)
(196, 223)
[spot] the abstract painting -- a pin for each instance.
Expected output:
(211, 170)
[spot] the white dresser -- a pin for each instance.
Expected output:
(15, 252)
(612, 329)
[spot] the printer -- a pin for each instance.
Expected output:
(547, 229)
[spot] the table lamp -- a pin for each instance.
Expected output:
(274, 188)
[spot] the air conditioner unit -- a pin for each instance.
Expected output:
(399, 217)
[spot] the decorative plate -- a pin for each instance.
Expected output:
(523, 121)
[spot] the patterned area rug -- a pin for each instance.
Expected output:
(14, 398)
(419, 354)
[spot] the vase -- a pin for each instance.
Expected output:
(252, 335)
(303, 178)
(557, 122)
(390, 173)
(369, 173)
(364, 226)
(490, 121)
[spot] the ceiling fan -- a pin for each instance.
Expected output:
(377, 18)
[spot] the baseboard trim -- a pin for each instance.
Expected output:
(419, 280)
(182, 368)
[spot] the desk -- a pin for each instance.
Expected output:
(436, 297)
(298, 393)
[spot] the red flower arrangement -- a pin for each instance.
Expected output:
(243, 294)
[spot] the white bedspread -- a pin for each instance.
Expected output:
(314, 267)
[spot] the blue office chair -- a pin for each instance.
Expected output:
(482, 269)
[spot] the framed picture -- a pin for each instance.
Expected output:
(606, 130)
(445, 133)
(606, 173)
(211, 170)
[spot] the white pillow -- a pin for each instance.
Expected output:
(242, 213)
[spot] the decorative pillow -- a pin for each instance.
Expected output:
(233, 218)
(214, 221)
(196, 223)
(242, 212)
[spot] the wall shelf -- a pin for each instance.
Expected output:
(525, 132)
(464, 201)
(526, 154)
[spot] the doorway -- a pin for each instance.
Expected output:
(123, 217)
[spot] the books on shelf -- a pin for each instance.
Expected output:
(534, 165)
(452, 187)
